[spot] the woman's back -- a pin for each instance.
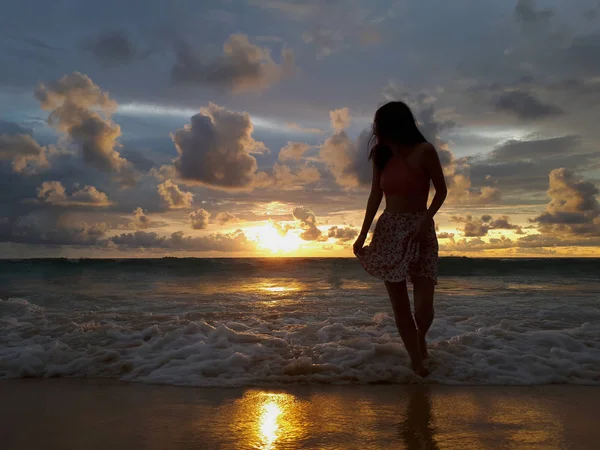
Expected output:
(404, 180)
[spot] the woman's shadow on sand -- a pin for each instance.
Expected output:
(417, 430)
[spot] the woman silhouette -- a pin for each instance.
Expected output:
(404, 244)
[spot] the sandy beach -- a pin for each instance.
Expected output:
(101, 414)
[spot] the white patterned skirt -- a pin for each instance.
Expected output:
(393, 255)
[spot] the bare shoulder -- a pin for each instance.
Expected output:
(426, 148)
(426, 151)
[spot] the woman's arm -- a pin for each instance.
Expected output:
(436, 173)
(373, 203)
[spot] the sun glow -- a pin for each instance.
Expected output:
(271, 239)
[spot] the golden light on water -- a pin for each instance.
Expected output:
(268, 423)
(276, 289)
(269, 420)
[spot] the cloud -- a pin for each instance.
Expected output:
(112, 48)
(573, 208)
(332, 25)
(291, 8)
(52, 230)
(25, 154)
(456, 171)
(308, 223)
(583, 54)
(243, 67)
(476, 244)
(174, 197)
(214, 150)
(342, 234)
(478, 227)
(293, 151)
(224, 217)
(526, 106)
(81, 110)
(199, 219)
(346, 159)
(281, 229)
(521, 167)
(527, 13)
(140, 220)
(283, 177)
(218, 242)
(54, 193)
(12, 128)
(340, 119)
(294, 126)
(519, 150)
(445, 235)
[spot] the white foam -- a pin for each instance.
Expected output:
(468, 347)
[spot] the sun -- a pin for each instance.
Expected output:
(271, 239)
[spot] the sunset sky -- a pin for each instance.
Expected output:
(240, 128)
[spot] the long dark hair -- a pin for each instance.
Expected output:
(394, 122)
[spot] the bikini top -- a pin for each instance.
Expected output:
(399, 178)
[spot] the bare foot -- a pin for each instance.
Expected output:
(420, 370)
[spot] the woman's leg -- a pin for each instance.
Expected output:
(406, 326)
(423, 289)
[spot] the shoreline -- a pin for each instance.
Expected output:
(72, 413)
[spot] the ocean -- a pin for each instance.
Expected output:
(256, 322)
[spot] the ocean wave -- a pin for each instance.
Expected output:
(358, 348)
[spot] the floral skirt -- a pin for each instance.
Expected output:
(393, 255)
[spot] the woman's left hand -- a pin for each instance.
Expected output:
(421, 229)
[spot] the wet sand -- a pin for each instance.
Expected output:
(103, 414)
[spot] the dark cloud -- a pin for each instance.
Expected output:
(526, 106)
(112, 48)
(343, 234)
(12, 128)
(81, 110)
(476, 244)
(173, 196)
(215, 149)
(527, 12)
(199, 219)
(308, 223)
(346, 158)
(24, 153)
(218, 242)
(52, 230)
(479, 227)
(534, 149)
(243, 67)
(521, 166)
(583, 52)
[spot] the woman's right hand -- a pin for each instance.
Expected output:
(359, 243)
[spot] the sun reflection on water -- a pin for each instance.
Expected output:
(269, 422)
(272, 420)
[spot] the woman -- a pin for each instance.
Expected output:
(404, 244)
